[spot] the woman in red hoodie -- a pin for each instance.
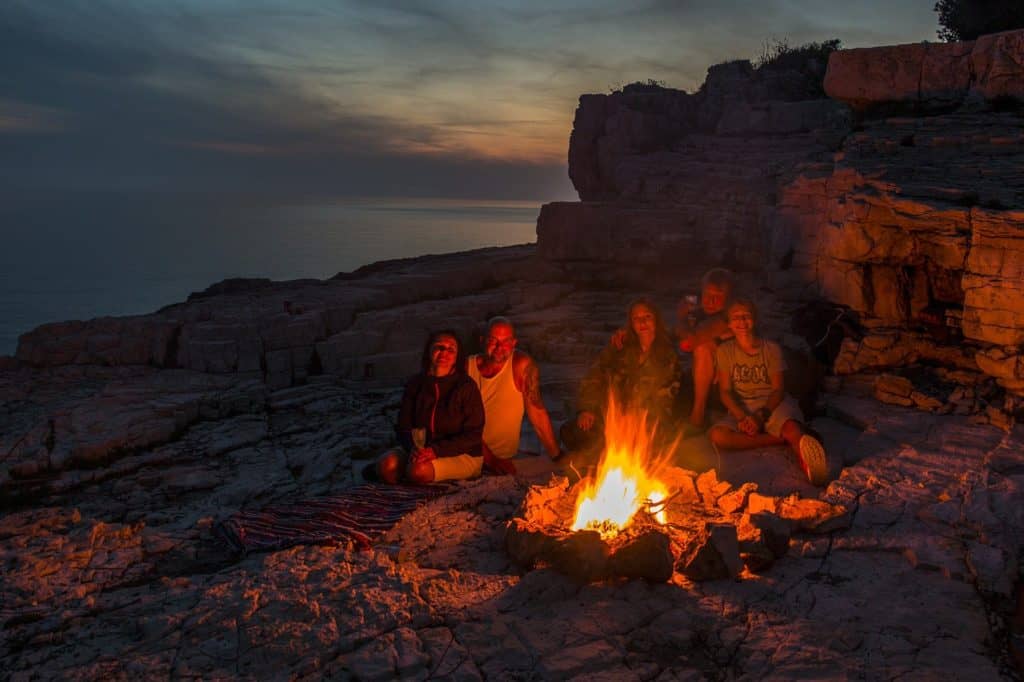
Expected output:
(440, 423)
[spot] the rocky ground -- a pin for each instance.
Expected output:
(111, 478)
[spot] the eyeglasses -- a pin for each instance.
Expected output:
(443, 348)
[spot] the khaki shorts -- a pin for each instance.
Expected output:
(787, 409)
(457, 467)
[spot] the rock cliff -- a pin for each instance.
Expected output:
(900, 199)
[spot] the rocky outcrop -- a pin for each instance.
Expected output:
(929, 76)
(672, 179)
(285, 332)
(911, 224)
(111, 568)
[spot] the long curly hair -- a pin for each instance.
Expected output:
(661, 335)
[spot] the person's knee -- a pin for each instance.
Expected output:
(791, 429)
(421, 473)
(388, 467)
(718, 434)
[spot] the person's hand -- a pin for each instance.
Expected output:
(618, 338)
(749, 426)
(585, 420)
(423, 455)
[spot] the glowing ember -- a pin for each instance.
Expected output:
(626, 477)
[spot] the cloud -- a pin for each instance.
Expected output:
(332, 94)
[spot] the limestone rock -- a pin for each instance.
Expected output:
(925, 76)
(736, 500)
(581, 555)
(712, 554)
(649, 556)
(997, 62)
(813, 515)
(758, 503)
(763, 538)
(893, 389)
(710, 488)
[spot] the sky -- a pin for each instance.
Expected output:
(360, 97)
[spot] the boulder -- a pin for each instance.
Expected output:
(711, 554)
(928, 76)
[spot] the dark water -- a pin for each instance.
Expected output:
(84, 256)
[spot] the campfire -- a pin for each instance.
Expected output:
(638, 516)
(626, 482)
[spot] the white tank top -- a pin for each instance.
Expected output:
(503, 408)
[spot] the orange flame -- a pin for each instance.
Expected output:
(626, 476)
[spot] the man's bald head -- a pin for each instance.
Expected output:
(500, 340)
(500, 320)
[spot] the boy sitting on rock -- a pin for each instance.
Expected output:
(751, 388)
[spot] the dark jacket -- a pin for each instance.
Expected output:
(651, 385)
(449, 408)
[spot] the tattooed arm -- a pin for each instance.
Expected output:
(527, 377)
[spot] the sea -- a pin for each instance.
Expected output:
(80, 256)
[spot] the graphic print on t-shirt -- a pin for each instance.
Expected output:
(750, 374)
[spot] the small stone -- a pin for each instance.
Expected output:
(756, 502)
(711, 554)
(583, 556)
(815, 516)
(734, 501)
(925, 402)
(763, 538)
(648, 556)
(525, 542)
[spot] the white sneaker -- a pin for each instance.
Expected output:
(811, 455)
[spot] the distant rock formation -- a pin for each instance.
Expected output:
(285, 331)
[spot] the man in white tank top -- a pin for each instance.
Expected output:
(509, 383)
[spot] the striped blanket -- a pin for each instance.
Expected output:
(360, 514)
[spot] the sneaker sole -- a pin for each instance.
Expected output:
(812, 452)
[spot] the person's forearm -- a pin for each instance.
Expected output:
(732, 405)
(541, 423)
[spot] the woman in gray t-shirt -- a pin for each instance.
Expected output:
(750, 383)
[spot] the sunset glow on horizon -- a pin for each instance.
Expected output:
(193, 90)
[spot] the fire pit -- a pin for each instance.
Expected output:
(639, 517)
